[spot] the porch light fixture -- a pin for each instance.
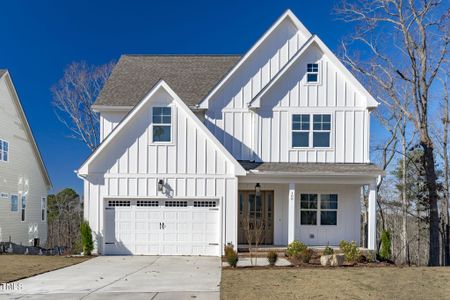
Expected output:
(257, 190)
(160, 185)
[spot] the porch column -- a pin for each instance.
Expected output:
(291, 213)
(372, 222)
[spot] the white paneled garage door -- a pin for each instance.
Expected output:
(162, 227)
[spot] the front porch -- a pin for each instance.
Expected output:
(317, 209)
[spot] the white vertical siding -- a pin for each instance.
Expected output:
(335, 95)
(191, 166)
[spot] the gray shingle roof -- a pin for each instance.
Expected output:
(192, 77)
(312, 168)
(3, 71)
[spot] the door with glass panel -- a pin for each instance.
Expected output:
(255, 217)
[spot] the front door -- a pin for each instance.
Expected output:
(255, 217)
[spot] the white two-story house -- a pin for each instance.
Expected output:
(24, 181)
(200, 151)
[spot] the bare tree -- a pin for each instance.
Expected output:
(406, 42)
(73, 97)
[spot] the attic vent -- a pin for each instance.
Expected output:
(114, 203)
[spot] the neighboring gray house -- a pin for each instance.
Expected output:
(24, 181)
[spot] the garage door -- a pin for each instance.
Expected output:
(162, 227)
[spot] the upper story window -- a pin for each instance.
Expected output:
(321, 130)
(300, 130)
(43, 208)
(4, 150)
(162, 124)
(319, 133)
(312, 73)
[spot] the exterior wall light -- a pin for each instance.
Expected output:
(160, 185)
(258, 190)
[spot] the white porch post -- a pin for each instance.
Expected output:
(372, 222)
(291, 213)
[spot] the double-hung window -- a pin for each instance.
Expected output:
(308, 209)
(43, 208)
(312, 73)
(328, 209)
(315, 206)
(162, 124)
(303, 132)
(14, 202)
(321, 130)
(24, 205)
(300, 130)
(4, 150)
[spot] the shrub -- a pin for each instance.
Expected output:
(328, 251)
(385, 251)
(295, 248)
(351, 251)
(272, 257)
(86, 238)
(231, 256)
(306, 255)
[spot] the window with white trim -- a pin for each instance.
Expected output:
(322, 207)
(14, 202)
(303, 132)
(321, 130)
(300, 130)
(312, 73)
(23, 207)
(161, 124)
(328, 209)
(43, 208)
(308, 209)
(4, 150)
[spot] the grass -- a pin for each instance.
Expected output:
(339, 283)
(15, 267)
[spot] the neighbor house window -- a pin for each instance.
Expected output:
(24, 205)
(308, 209)
(314, 206)
(300, 130)
(162, 124)
(14, 202)
(43, 208)
(4, 150)
(328, 209)
(319, 132)
(312, 73)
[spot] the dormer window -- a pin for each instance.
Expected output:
(162, 124)
(312, 73)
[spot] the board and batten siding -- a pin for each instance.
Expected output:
(191, 166)
(264, 133)
(20, 175)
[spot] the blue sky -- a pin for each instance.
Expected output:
(40, 38)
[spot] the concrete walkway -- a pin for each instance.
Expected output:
(132, 277)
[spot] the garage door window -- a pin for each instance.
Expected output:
(204, 203)
(153, 203)
(114, 203)
(176, 203)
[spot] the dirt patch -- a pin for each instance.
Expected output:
(336, 283)
(15, 267)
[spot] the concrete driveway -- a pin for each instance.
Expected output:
(133, 277)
